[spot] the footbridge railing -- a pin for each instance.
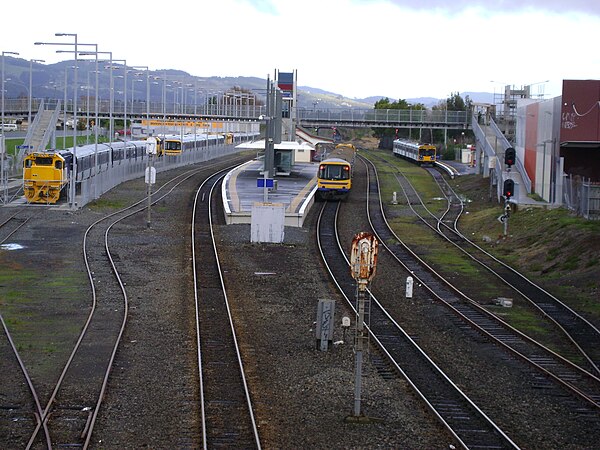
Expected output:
(384, 118)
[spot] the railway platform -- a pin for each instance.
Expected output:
(241, 192)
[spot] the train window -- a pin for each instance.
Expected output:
(172, 145)
(58, 164)
(28, 163)
(334, 172)
(43, 161)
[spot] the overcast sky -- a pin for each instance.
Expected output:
(357, 48)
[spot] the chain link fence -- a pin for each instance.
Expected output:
(582, 196)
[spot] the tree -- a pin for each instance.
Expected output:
(385, 103)
(455, 102)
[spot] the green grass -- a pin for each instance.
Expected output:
(13, 143)
(446, 258)
(549, 246)
(422, 181)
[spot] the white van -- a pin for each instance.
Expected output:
(9, 127)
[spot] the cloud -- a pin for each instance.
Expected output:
(264, 6)
(502, 6)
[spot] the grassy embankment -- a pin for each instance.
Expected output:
(550, 246)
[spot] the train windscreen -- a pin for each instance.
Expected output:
(334, 172)
(43, 161)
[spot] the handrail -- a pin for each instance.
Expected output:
(368, 116)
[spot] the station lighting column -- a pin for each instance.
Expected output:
(74, 167)
(96, 119)
(3, 168)
(147, 97)
(31, 61)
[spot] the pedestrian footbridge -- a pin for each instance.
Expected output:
(385, 118)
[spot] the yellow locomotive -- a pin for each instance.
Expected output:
(45, 175)
(334, 178)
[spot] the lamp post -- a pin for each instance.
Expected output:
(164, 103)
(74, 169)
(147, 97)
(528, 88)
(31, 61)
(2, 145)
(111, 93)
(75, 89)
(124, 95)
(111, 97)
(96, 71)
(133, 81)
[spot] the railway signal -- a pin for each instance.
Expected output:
(510, 156)
(508, 192)
(363, 263)
(509, 188)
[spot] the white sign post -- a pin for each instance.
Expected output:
(150, 176)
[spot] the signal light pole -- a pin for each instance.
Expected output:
(508, 191)
(510, 158)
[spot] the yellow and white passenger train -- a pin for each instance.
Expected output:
(419, 153)
(334, 178)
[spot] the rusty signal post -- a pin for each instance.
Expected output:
(363, 262)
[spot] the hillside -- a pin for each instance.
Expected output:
(48, 81)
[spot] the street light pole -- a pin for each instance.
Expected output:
(75, 93)
(31, 61)
(95, 54)
(147, 97)
(124, 95)
(111, 93)
(3, 168)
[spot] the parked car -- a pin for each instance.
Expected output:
(9, 127)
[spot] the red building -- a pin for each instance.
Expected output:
(580, 128)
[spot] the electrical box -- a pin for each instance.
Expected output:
(325, 321)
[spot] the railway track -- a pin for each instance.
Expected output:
(583, 335)
(12, 224)
(19, 388)
(546, 367)
(469, 425)
(68, 417)
(226, 407)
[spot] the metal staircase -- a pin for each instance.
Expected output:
(39, 132)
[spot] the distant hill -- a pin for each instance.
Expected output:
(48, 81)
